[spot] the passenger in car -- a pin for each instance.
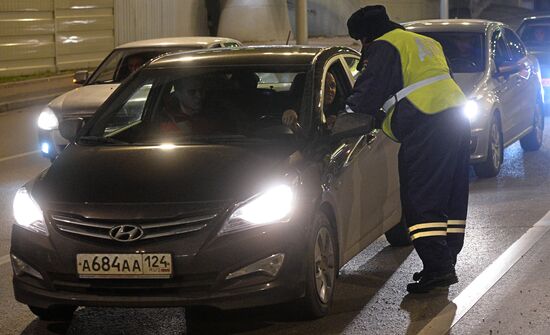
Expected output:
(183, 105)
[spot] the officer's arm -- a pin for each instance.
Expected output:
(379, 80)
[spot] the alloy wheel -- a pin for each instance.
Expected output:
(324, 264)
(539, 123)
(495, 146)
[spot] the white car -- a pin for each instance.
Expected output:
(82, 102)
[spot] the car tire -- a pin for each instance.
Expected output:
(56, 313)
(495, 152)
(398, 235)
(533, 140)
(321, 270)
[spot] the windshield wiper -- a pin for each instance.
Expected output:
(99, 140)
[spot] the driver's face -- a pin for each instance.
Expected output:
(539, 35)
(330, 89)
(134, 63)
(464, 46)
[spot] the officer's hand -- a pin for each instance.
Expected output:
(290, 118)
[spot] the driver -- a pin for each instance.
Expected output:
(330, 108)
(539, 35)
(465, 46)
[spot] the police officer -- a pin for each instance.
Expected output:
(407, 75)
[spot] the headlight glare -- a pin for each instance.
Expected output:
(47, 120)
(27, 213)
(471, 110)
(271, 206)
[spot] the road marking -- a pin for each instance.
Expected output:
(4, 259)
(19, 155)
(453, 312)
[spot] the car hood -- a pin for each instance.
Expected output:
(148, 175)
(82, 101)
(468, 82)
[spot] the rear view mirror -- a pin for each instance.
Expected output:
(70, 128)
(351, 125)
(80, 77)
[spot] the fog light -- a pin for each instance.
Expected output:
(269, 266)
(20, 268)
(45, 147)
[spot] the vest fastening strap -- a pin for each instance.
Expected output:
(409, 89)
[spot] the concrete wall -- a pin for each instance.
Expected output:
(254, 20)
(145, 19)
(327, 19)
(51, 35)
(267, 20)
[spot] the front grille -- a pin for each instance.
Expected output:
(191, 282)
(100, 228)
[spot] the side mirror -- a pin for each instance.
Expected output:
(351, 125)
(70, 128)
(80, 77)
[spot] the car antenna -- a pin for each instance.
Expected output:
(288, 37)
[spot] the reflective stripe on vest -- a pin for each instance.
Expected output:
(409, 89)
(425, 69)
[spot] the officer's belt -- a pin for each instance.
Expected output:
(410, 89)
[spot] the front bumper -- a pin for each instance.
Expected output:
(479, 142)
(199, 278)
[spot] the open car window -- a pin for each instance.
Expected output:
(203, 104)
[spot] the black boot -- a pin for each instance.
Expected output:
(429, 281)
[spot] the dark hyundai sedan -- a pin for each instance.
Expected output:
(186, 188)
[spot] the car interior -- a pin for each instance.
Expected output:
(239, 102)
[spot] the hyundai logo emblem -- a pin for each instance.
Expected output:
(126, 233)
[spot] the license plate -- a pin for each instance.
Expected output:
(124, 265)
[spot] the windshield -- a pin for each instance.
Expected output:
(465, 51)
(201, 105)
(122, 62)
(536, 34)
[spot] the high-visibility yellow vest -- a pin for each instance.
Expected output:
(422, 58)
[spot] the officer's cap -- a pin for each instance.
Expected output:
(366, 21)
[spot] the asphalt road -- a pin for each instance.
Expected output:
(370, 295)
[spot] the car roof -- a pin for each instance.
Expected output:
(468, 25)
(542, 18)
(195, 41)
(253, 55)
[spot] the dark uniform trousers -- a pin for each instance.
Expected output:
(434, 172)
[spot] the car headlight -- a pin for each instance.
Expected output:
(27, 213)
(471, 110)
(47, 120)
(272, 206)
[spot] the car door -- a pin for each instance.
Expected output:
(524, 84)
(367, 183)
(504, 84)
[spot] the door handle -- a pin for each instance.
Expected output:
(370, 138)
